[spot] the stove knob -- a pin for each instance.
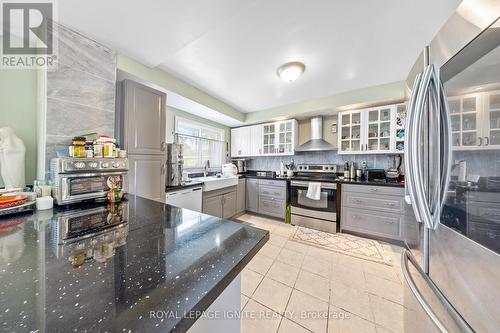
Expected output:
(331, 168)
(79, 165)
(105, 165)
(93, 165)
(116, 165)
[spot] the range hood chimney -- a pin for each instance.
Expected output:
(316, 142)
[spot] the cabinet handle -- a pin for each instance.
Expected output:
(388, 204)
(163, 146)
(480, 141)
(355, 217)
(487, 141)
(374, 189)
(357, 201)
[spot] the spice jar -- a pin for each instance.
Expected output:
(77, 149)
(98, 150)
(89, 149)
(109, 149)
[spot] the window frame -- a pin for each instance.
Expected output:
(193, 124)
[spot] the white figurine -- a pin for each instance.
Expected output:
(12, 154)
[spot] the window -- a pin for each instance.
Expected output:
(201, 143)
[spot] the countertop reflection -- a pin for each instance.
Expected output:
(162, 258)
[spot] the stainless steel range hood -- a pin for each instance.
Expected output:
(316, 142)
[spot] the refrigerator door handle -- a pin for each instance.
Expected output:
(414, 153)
(458, 320)
(411, 141)
(427, 205)
(435, 154)
(446, 145)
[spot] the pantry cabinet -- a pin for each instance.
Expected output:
(368, 131)
(270, 139)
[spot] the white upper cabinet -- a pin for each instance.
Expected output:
(475, 120)
(368, 131)
(256, 140)
(278, 138)
(492, 120)
(240, 142)
(466, 121)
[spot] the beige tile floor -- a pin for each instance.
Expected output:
(291, 287)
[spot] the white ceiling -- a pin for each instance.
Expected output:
(232, 48)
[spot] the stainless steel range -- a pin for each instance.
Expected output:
(316, 212)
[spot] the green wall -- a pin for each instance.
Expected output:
(170, 82)
(18, 97)
(172, 112)
(384, 92)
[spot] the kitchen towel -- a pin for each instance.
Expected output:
(314, 191)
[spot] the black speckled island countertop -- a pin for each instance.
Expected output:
(165, 259)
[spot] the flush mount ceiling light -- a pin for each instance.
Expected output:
(291, 71)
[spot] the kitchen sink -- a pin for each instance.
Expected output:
(212, 183)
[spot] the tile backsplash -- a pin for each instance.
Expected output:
(485, 163)
(272, 163)
(81, 92)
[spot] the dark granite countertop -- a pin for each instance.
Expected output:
(266, 177)
(165, 259)
(183, 186)
(365, 182)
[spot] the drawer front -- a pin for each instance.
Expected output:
(386, 203)
(269, 182)
(490, 212)
(487, 234)
(384, 190)
(273, 192)
(272, 207)
(372, 223)
(490, 197)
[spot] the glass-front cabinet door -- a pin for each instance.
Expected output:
(285, 137)
(269, 136)
(492, 135)
(351, 132)
(279, 138)
(465, 121)
(400, 128)
(379, 129)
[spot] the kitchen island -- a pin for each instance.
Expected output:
(155, 268)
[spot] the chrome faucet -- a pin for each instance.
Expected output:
(206, 167)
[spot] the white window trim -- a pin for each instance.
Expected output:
(200, 125)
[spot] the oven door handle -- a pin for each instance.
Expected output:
(306, 184)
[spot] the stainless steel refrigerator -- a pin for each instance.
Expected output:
(451, 266)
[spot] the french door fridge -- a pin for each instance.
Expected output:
(451, 266)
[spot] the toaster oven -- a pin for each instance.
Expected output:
(80, 179)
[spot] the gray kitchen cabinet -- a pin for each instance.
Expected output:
(252, 195)
(220, 203)
(140, 180)
(272, 207)
(272, 198)
(240, 196)
(229, 204)
(373, 210)
(213, 206)
(142, 119)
